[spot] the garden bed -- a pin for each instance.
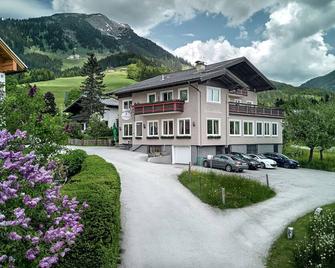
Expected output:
(281, 253)
(98, 183)
(240, 192)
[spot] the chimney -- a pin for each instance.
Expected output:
(200, 66)
(163, 77)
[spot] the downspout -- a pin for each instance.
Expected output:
(200, 119)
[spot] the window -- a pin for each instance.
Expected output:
(259, 128)
(126, 106)
(248, 128)
(274, 129)
(152, 128)
(183, 94)
(167, 95)
(138, 129)
(184, 127)
(213, 127)
(249, 102)
(235, 128)
(213, 94)
(167, 127)
(127, 130)
(151, 97)
(238, 101)
(266, 129)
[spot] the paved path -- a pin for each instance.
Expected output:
(164, 225)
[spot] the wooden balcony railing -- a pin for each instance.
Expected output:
(159, 107)
(250, 109)
(239, 91)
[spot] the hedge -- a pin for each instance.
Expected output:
(99, 184)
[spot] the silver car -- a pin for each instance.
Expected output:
(227, 162)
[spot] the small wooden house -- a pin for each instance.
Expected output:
(9, 63)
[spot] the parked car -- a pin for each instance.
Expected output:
(265, 162)
(252, 163)
(282, 160)
(227, 162)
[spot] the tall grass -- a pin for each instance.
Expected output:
(301, 154)
(240, 192)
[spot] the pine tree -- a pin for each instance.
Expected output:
(50, 104)
(92, 88)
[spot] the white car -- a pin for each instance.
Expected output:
(265, 162)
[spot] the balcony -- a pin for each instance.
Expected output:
(254, 110)
(239, 91)
(173, 106)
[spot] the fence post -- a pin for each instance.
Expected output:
(223, 194)
(267, 180)
(189, 167)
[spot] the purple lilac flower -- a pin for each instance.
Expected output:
(3, 258)
(48, 261)
(14, 236)
(32, 253)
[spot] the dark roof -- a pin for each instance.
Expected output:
(234, 72)
(75, 107)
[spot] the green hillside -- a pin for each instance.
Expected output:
(59, 86)
(326, 82)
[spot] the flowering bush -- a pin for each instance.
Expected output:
(318, 248)
(38, 225)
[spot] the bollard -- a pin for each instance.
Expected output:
(189, 167)
(223, 193)
(267, 180)
(290, 232)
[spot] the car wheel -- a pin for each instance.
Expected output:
(228, 168)
(286, 165)
(262, 165)
(205, 164)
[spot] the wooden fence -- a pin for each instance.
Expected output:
(98, 142)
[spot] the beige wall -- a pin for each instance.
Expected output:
(199, 110)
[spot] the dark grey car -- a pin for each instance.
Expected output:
(226, 162)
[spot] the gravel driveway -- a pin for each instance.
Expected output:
(164, 225)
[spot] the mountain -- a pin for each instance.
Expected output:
(70, 36)
(325, 82)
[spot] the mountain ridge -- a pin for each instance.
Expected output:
(326, 81)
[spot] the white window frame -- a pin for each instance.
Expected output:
(167, 120)
(212, 119)
(136, 134)
(259, 135)
(272, 124)
(148, 128)
(178, 130)
(165, 91)
(249, 102)
(253, 128)
(123, 127)
(212, 88)
(126, 100)
(188, 93)
(152, 93)
(237, 100)
(267, 123)
(234, 120)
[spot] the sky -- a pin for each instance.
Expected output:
(289, 41)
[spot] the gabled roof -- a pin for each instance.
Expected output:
(239, 71)
(6, 54)
(75, 107)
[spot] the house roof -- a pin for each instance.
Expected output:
(238, 72)
(75, 107)
(7, 55)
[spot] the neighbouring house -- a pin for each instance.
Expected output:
(10, 63)
(110, 115)
(206, 110)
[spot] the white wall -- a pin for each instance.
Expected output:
(111, 115)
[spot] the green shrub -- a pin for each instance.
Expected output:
(240, 192)
(98, 183)
(318, 247)
(73, 161)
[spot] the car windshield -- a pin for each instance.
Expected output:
(283, 156)
(236, 158)
(247, 156)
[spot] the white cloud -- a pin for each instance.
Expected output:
(293, 50)
(189, 34)
(22, 9)
(243, 33)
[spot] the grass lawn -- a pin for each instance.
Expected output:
(98, 183)
(240, 192)
(60, 86)
(281, 252)
(328, 163)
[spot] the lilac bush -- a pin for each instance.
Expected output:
(38, 225)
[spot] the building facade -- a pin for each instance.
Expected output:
(203, 111)
(9, 63)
